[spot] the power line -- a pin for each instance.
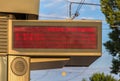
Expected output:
(78, 9)
(86, 3)
(70, 72)
(80, 5)
(43, 76)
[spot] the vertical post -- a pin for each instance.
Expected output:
(3, 68)
(18, 68)
(70, 7)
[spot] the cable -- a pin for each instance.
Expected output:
(75, 76)
(78, 9)
(80, 5)
(87, 4)
(43, 76)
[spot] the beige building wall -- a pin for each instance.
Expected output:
(20, 6)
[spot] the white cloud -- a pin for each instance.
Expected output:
(93, 8)
(43, 0)
(52, 3)
(52, 16)
(80, 0)
(87, 18)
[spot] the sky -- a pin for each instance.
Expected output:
(58, 10)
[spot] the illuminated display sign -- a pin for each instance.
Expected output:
(55, 37)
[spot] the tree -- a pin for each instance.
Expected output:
(111, 10)
(101, 77)
(83, 79)
(97, 77)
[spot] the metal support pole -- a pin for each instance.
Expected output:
(70, 7)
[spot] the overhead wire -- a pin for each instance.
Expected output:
(80, 5)
(43, 76)
(78, 9)
(75, 76)
(95, 4)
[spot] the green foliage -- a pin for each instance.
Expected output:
(109, 78)
(111, 10)
(113, 45)
(115, 66)
(101, 77)
(97, 77)
(83, 79)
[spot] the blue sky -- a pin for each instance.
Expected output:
(58, 9)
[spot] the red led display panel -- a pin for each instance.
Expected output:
(55, 37)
